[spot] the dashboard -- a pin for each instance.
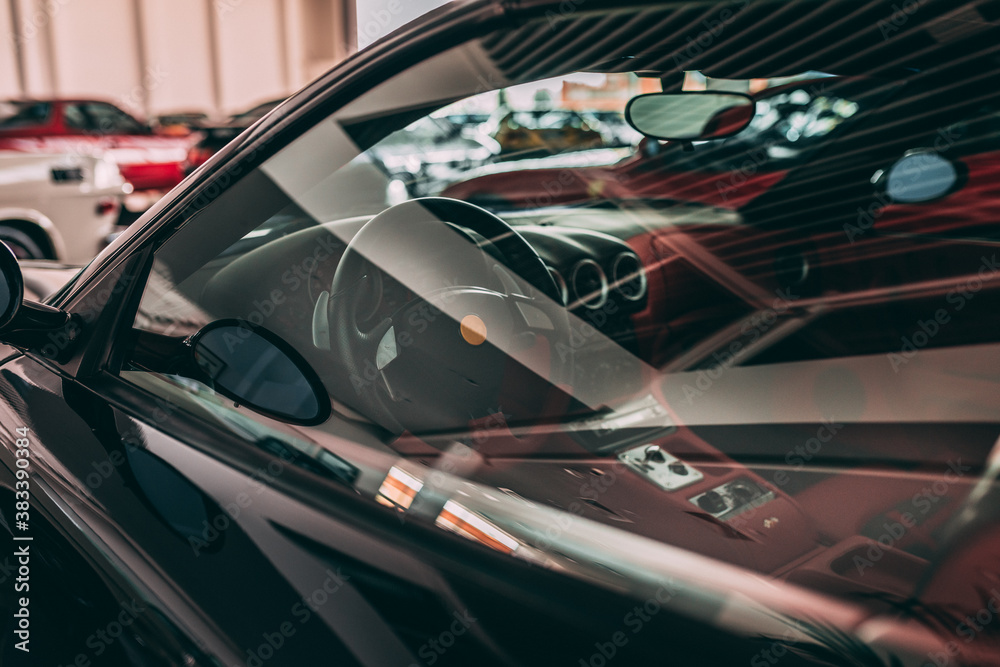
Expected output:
(594, 271)
(601, 281)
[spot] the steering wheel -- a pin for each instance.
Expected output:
(483, 306)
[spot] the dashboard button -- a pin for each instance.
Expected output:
(655, 455)
(712, 503)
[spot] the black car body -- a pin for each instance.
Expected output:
(417, 518)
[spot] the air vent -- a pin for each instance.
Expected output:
(560, 285)
(629, 277)
(590, 285)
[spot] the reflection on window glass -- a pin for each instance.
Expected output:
(524, 312)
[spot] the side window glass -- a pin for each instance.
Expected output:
(24, 114)
(202, 278)
(519, 294)
(74, 117)
(107, 118)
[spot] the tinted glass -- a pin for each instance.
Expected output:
(75, 117)
(106, 118)
(246, 365)
(24, 114)
(592, 354)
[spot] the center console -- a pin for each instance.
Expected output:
(694, 496)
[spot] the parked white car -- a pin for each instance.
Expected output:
(60, 207)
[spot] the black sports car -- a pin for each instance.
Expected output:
(284, 420)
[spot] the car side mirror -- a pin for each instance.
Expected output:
(11, 287)
(690, 116)
(919, 176)
(27, 325)
(256, 368)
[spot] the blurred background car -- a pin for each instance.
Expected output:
(151, 163)
(793, 120)
(414, 170)
(59, 207)
(544, 131)
(614, 129)
(471, 122)
(214, 137)
(180, 123)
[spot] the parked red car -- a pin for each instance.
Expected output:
(150, 162)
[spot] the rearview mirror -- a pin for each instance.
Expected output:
(256, 368)
(690, 116)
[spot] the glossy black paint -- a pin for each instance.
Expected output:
(213, 579)
(11, 286)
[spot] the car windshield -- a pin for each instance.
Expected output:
(424, 132)
(776, 349)
(790, 122)
(545, 120)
